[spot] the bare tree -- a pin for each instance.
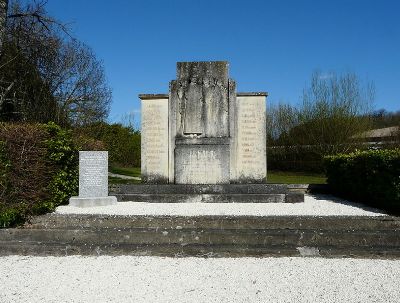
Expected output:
(281, 118)
(72, 78)
(3, 21)
(334, 109)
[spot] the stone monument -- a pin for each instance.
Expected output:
(204, 132)
(93, 180)
(204, 138)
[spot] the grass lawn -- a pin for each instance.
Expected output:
(295, 177)
(273, 176)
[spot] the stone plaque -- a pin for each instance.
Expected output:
(250, 139)
(154, 154)
(93, 174)
(201, 164)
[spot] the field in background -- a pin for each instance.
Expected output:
(273, 176)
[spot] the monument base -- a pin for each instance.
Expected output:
(92, 201)
(208, 193)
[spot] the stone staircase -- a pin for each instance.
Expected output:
(205, 236)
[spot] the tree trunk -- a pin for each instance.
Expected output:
(3, 21)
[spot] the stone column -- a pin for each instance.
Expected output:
(199, 127)
(249, 140)
(154, 144)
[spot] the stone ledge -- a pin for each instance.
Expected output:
(210, 198)
(202, 141)
(201, 189)
(153, 96)
(245, 94)
(92, 201)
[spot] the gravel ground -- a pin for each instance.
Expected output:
(155, 279)
(315, 205)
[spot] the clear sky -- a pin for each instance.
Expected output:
(272, 46)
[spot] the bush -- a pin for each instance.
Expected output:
(38, 170)
(370, 177)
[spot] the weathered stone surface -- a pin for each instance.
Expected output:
(249, 141)
(201, 97)
(93, 174)
(202, 189)
(154, 144)
(213, 236)
(207, 193)
(201, 164)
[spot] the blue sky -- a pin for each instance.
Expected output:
(272, 46)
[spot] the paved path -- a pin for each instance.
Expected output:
(123, 176)
(154, 279)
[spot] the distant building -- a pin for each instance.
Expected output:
(380, 134)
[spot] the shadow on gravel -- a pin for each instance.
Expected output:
(342, 201)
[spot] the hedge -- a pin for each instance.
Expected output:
(370, 177)
(38, 170)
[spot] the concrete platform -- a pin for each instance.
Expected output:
(208, 193)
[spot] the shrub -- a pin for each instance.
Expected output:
(370, 177)
(38, 170)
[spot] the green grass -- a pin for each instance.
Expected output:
(127, 171)
(295, 177)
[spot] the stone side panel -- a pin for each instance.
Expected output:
(249, 140)
(154, 145)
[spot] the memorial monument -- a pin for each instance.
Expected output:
(203, 132)
(204, 138)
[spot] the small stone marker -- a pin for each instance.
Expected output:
(93, 180)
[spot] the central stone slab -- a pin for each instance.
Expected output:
(199, 100)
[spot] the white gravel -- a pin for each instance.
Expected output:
(155, 279)
(314, 205)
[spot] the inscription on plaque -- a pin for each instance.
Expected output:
(155, 140)
(251, 144)
(202, 164)
(93, 174)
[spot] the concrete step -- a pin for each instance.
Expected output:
(55, 234)
(61, 249)
(183, 237)
(201, 188)
(75, 221)
(211, 198)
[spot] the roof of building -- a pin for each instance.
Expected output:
(379, 133)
